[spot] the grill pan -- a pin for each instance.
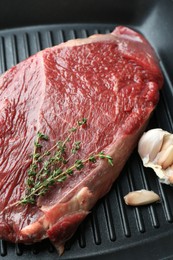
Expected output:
(112, 230)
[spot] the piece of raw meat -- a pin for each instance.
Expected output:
(113, 80)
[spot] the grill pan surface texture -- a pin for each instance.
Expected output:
(112, 230)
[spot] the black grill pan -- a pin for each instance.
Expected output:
(113, 230)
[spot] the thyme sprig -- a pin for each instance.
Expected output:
(44, 177)
(60, 175)
(49, 167)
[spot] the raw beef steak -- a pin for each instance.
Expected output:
(113, 81)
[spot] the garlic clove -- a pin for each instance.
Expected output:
(167, 141)
(165, 157)
(150, 143)
(141, 197)
(156, 151)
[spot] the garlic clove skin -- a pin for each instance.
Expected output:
(156, 151)
(141, 197)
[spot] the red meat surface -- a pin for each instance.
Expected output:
(113, 80)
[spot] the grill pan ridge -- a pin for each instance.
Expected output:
(112, 229)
